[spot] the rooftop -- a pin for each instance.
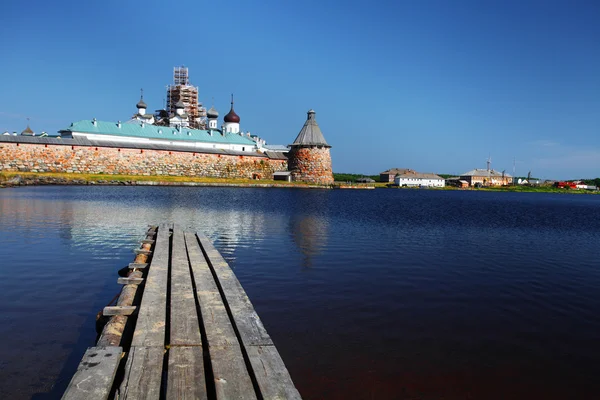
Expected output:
(142, 130)
(310, 134)
(484, 172)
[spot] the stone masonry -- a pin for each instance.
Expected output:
(311, 164)
(25, 157)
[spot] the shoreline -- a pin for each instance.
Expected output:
(10, 179)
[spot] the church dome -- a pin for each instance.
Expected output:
(141, 104)
(232, 116)
(212, 113)
(179, 104)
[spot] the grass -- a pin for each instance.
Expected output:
(146, 178)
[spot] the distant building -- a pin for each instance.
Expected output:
(182, 99)
(390, 174)
(486, 177)
(365, 179)
(419, 179)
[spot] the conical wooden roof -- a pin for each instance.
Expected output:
(310, 134)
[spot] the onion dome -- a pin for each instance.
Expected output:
(141, 103)
(212, 113)
(179, 104)
(232, 116)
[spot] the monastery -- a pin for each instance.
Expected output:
(184, 139)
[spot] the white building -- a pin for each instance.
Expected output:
(419, 179)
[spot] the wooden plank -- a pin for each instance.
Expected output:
(185, 328)
(129, 281)
(118, 310)
(218, 328)
(138, 265)
(271, 374)
(230, 374)
(143, 374)
(269, 370)
(232, 379)
(95, 374)
(186, 378)
(149, 241)
(150, 325)
(142, 251)
(249, 325)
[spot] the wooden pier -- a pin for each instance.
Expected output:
(183, 328)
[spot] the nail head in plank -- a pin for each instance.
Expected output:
(138, 265)
(95, 374)
(185, 327)
(143, 373)
(130, 281)
(186, 379)
(232, 380)
(151, 321)
(118, 310)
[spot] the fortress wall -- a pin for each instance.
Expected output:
(25, 157)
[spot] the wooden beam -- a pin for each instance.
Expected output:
(138, 265)
(272, 376)
(143, 374)
(118, 310)
(130, 281)
(95, 374)
(142, 251)
(185, 326)
(231, 377)
(149, 241)
(150, 326)
(186, 378)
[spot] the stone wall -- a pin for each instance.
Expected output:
(311, 164)
(26, 157)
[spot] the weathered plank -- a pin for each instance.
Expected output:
(217, 325)
(142, 251)
(269, 370)
(118, 310)
(150, 325)
(271, 374)
(249, 325)
(232, 379)
(186, 379)
(143, 374)
(95, 374)
(185, 327)
(230, 374)
(150, 241)
(129, 281)
(138, 265)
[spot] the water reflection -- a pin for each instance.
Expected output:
(309, 232)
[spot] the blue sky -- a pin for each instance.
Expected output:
(436, 86)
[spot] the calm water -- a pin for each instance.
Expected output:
(382, 294)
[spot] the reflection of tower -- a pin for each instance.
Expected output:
(310, 235)
(309, 159)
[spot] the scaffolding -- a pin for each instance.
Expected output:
(181, 89)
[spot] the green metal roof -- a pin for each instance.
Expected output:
(135, 129)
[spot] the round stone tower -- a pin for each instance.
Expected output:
(309, 159)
